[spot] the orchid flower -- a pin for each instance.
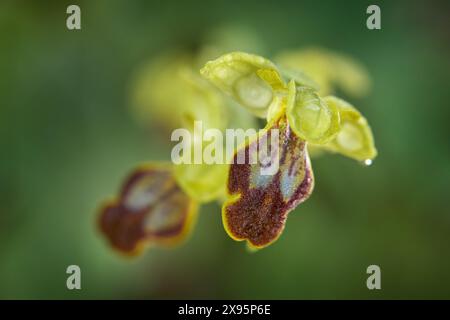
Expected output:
(158, 203)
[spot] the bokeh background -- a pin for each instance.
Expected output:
(68, 139)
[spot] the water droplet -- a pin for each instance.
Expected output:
(368, 162)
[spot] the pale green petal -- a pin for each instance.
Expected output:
(202, 182)
(350, 75)
(300, 78)
(168, 93)
(152, 98)
(328, 69)
(313, 62)
(200, 101)
(251, 80)
(239, 118)
(355, 139)
(310, 117)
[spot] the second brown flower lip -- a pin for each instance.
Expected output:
(258, 205)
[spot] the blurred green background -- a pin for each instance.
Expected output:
(68, 139)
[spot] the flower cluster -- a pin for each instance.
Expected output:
(158, 203)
